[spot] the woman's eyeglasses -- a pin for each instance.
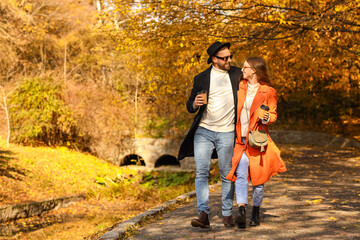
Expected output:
(225, 58)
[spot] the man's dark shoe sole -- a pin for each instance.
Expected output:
(197, 223)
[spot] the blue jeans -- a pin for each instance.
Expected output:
(242, 173)
(204, 143)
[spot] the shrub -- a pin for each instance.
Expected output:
(39, 115)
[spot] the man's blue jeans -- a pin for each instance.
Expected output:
(204, 143)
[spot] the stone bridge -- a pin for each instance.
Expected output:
(154, 153)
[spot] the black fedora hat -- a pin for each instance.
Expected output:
(214, 48)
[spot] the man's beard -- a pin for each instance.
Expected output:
(226, 67)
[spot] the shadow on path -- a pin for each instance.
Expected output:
(317, 198)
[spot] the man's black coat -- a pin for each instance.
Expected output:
(202, 82)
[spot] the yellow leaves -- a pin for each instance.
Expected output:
(315, 201)
(340, 8)
(316, 35)
(28, 7)
(277, 16)
(332, 218)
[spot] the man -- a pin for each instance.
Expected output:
(213, 129)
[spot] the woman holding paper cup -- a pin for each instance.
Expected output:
(257, 107)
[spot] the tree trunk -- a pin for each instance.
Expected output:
(4, 106)
(136, 104)
(98, 5)
(65, 60)
(8, 123)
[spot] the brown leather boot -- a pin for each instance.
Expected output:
(202, 221)
(228, 221)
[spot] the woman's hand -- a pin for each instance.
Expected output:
(266, 116)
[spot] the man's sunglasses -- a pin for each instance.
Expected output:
(225, 58)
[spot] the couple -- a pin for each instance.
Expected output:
(226, 114)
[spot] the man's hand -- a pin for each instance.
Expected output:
(199, 100)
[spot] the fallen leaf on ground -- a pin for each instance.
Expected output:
(314, 201)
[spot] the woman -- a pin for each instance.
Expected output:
(250, 163)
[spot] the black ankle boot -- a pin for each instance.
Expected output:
(241, 219)
(255, 217)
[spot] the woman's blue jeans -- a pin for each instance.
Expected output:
(242, 173)
(204, 143)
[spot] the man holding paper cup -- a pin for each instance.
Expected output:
(212, 134)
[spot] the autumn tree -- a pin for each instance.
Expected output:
(60, 42)
(312, 48)
(126, 67)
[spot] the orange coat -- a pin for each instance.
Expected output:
(264, 165)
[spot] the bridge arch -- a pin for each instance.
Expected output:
(167, 160)
(152, 153)
(132, 159)
(156, 151)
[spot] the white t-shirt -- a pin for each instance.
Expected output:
(219, 115)
(245, 112)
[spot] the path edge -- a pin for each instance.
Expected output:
(119, 231)
(30, 209)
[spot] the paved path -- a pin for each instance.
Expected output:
(317, 198)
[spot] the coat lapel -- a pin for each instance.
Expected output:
(207, 80)
(234, 79)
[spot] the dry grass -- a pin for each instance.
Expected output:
(114, 194)
(38, 173)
